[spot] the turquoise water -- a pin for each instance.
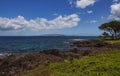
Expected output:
(31, 44)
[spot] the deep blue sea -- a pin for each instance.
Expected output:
(31, 44)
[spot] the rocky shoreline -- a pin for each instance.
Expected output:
(16, 65)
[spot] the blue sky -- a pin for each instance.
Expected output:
(69, 17)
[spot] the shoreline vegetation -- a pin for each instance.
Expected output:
(98, 58)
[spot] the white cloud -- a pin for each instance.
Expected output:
(84, 3)
(93, 21)
(55, 14)
(90, 11)
(115, 0)
(19, 23)
(57, 23)
(102, 17)
(70, 2)
(115, 11)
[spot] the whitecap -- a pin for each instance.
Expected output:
(78, 39)
(66, 42)
(3, 55)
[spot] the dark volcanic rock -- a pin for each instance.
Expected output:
(90, 43)
(15, 65)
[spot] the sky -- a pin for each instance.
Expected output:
(68, 17)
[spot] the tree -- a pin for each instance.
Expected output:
(112, 28)
(105, 35)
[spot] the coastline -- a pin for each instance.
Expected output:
(17, 65)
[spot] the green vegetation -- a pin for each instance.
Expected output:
(107, 64)
(113, 41)
(111, 30)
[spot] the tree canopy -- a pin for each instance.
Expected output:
(112, 28)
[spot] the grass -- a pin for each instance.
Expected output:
(113, 41)
(99, 65)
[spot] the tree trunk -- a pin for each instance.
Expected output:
(112, 36)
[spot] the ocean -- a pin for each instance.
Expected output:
(31, 44)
